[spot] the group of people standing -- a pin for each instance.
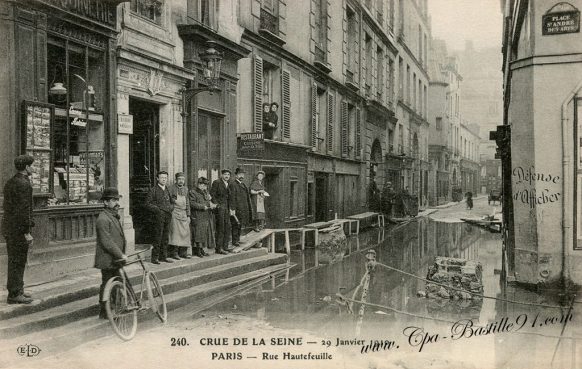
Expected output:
(203, 218)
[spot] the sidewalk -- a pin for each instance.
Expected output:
(455, 211)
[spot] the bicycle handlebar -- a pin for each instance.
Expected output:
(134, 254)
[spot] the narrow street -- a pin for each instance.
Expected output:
(257, 328)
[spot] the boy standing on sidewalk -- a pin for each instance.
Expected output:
(110, 242)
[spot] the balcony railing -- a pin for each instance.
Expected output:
(269, 22)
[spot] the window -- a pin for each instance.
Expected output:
(391, 14)
(78, 142)
(391, 80)
(408, 84)
(202, 11)
(149, 9)
(352, 47)
(269, 18)
(293, 197)
(401, 139)
(368, 40)
(380, 12)
(414, 91)
(379, 73)
(271, 83)
(439, 123)
(400, 78)
(310, 198)
(320, 32)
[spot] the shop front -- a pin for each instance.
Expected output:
(57, 108)
(286, 181)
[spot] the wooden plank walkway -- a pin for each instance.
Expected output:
(364, 216)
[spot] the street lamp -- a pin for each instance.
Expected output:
(211, 62)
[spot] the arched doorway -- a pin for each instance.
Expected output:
(375, 159)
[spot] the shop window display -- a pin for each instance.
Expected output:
(77, 85)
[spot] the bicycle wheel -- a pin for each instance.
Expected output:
(156, 297)
(119, 305)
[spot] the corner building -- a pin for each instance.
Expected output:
(539, 142)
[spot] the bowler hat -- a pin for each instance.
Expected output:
(110, 193)
(239, 170)
(21, 160)
(225, 171)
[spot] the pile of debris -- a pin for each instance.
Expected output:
(333, 244)
(463, 275)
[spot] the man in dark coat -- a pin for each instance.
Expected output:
(161, 205)
(240, 202)
(221, 197)
(200, 210)
(16, 226)
(111, 244)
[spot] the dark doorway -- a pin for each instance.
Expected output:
(321, 196)
(143, 163)
(273, 204)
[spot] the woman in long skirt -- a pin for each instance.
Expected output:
(258, 201)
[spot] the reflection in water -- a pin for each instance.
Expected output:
(306, 302)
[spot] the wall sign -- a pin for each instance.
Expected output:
(125, 124)
(561, 21)
(251, 144)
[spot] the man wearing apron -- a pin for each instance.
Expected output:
(180, 224)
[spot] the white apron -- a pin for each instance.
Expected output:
(180, 225)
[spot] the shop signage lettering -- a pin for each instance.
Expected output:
(251, 143)
(79, 122)
(125, 124)
(97, 10)
(561, 22)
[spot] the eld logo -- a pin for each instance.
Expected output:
(28, 350)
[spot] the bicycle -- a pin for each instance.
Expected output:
(122, 303)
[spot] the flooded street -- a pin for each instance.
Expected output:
(300, 317)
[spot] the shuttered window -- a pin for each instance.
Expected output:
(314, 125)
(330, 118)
(344, 134)
(286, 108)
(258, 93)
(358, 143)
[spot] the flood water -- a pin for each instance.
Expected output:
(513, 335)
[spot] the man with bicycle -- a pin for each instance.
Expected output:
(111, 242)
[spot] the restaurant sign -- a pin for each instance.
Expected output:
(557, 23)
(250, 144)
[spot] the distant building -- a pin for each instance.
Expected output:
(446, 145)
(482, 97)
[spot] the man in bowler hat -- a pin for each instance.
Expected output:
(111, 244)
(16, 226)
(161, 205)
(240, 202)
(220, 193)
